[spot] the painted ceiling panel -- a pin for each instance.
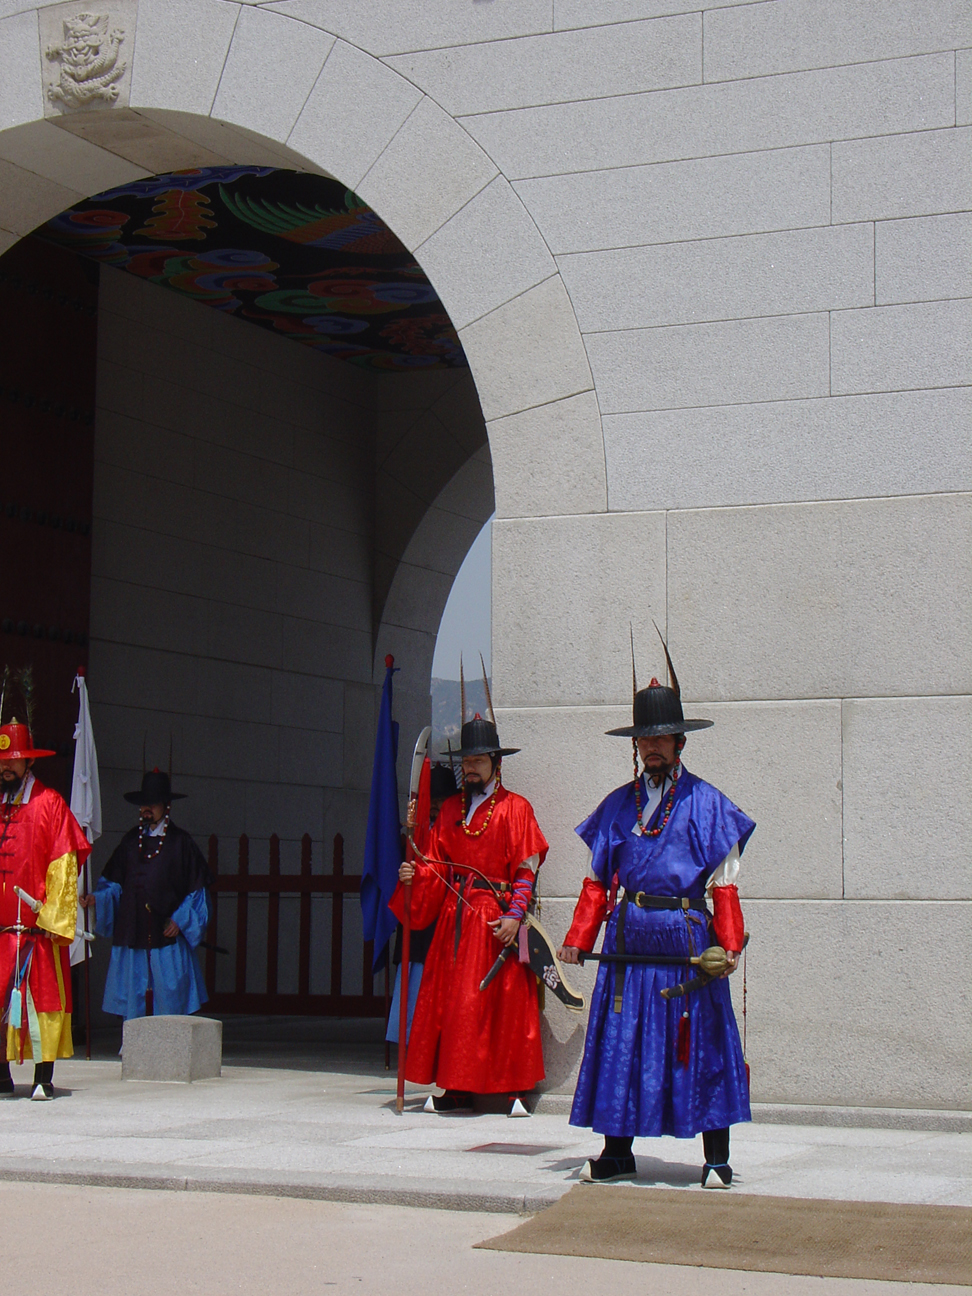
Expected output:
(295, 253)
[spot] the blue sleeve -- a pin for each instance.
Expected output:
(717, 825)
(192, 916)
(598, 832)
(107, 895)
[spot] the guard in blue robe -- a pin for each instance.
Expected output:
(665, 844)
(151, 902)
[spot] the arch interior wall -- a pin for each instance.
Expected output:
(710, 271)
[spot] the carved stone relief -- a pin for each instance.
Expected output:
(86, 55)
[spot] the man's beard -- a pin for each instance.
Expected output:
(657, 769)
(475, 786)
(10, 782)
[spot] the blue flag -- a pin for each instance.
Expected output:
(383, 843)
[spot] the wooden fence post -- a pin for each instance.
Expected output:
(211, 931)
(242, 914)
(337, 918)
(273, 918)
(303, 955)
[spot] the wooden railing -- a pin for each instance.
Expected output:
(273, 884)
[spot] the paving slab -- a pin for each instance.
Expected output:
(333, 1134)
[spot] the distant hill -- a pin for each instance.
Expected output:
(445, 709)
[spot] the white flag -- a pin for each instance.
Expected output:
(85, 796)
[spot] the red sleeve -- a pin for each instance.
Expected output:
(589, 913)
(428, 892)
(727, 919)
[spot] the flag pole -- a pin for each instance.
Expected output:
(420, 766)
(87, 970)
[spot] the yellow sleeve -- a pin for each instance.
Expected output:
(59, 913)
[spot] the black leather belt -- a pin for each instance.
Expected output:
(23, 931)
(666, 902)
(643, 901)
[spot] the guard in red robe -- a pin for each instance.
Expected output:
(476, 883)
(42, 847)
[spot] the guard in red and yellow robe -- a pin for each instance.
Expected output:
(483, 855)
(42, 846)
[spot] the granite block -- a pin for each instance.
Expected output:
(271, 68)
(352, 113)
(887, 348)
(21, 91)
(767, 39)
(784, 358)
(963, 87)
(29, 200)
(172, 1048)
(489, 252)
(202, 28)
(429, 170)
(65, 159)
(529, 352)
(591, 13)
(392, 26)
(794, 109)
(589, 64)
(776, 189)
(570, 651)
(727, 278)
(846, 1034)
(823, 600)
(902, 175)
(550, 459)
(922, 259)
(783, 451)
(902, 847)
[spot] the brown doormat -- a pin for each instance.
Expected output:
(732, 1230)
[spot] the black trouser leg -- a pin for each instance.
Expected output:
(5, 1078)
(43, 1073)
(716, 1145)
(617, 1147)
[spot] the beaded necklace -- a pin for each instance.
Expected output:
(666, 808)
(145, 831)
(489, 813)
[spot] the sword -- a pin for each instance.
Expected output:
(28, 900)
(421, 770)
(543, 961)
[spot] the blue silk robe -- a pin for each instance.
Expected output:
(630, 1082)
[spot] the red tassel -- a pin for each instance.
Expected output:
(684, 1040)
(748, 1085)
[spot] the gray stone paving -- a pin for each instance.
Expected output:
(333, 1133)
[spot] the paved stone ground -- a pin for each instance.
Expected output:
(150, 1243)
(331, 1132)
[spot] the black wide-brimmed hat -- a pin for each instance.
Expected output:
(156, 789)
(478, 737)
(657, 709)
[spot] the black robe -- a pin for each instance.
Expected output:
(153, 889)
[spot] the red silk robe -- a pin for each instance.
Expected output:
(41, 849)
(463, 1038)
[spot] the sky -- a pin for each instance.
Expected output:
(467, 620)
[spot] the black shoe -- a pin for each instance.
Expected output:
(42, 1093)
(716, 1176)
(608, 1169)
(452, 1100)
(7, 1089)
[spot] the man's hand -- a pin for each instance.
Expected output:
(569, 954)
(170, 929)
(505, 930)
(406, 871)
(86, 901)
(733, 959)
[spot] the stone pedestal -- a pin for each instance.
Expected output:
(172, 1048)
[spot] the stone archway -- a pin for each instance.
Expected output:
(265, 86)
